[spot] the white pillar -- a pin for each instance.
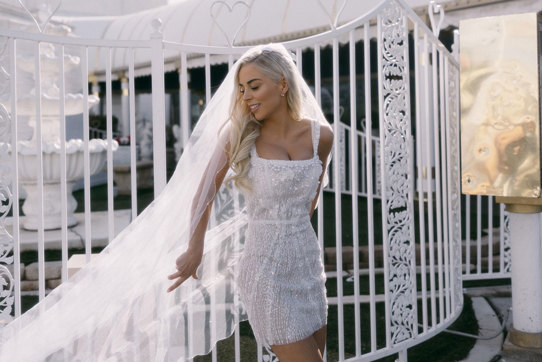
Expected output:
(125, 107)
(158, 108)
(526, 246)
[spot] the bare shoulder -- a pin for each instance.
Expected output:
(326, 140)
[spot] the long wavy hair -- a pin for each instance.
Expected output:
(244, 127)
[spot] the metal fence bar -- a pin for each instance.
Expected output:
(158, 109)
(14, 176)
(478, 234)
(467, 234)
(490, 234)
(438, 196)
(411, 166)
(86, 155)
(63, 186)
(39, 160)
(354, 185)
(448, 222)
(429, 186)
(109, 129)
(133, 143)
(420, 166)
(320, 204)
(337, 182)
(185, 111)
(370, 201)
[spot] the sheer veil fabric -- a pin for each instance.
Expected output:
(116, 308)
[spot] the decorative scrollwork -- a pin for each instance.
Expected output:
(6, 293)
(4, 74)
(397, 184)
(41, 12)
(507, 247)
(455, 176)
(333, 20)
(5, 127)
(269, 356)
(215, 11)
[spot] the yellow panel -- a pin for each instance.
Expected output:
(500, 106)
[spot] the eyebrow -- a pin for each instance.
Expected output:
(250, 81)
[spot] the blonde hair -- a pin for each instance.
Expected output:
(245, 128)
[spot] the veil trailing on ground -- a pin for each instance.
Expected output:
(116, 308)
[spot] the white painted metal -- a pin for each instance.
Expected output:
(382, 171)
(39, 161)
(370, 202)
(158, 109)
(419, 168)
(86, 155)
(337, 181)
(133, 149)
(438, 205)
(490, 234)
(109, 129)
(431, 116)
(14, 178)
(527, 272)
(63, 188)
(185, 111)
(354, 188)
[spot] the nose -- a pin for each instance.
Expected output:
(246, 95)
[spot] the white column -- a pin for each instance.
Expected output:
(125, 107)
(158, 108)
(526, 245)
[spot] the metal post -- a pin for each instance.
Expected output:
(158, 108)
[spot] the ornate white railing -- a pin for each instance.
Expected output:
(406, 179)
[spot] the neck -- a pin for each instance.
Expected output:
(280, 122)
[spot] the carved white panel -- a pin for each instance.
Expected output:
(397, 179)
(455, 176)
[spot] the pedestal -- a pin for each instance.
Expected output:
(52, 207)
(526, 244)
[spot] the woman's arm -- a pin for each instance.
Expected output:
(188, 262)
(324, 148)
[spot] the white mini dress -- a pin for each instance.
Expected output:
(281, 276)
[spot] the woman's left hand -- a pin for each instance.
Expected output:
(187, 266)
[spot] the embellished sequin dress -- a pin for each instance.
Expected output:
(281, 275)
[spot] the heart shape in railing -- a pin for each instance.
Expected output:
(40, 11)
(215, 12)
(432, 9)
(333, 20)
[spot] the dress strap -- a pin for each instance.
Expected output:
(315, 127)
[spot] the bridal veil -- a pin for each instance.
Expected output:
(116, 308)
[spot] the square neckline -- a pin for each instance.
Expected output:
(314, 149)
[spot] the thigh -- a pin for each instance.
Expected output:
(320, 338)
(305, 350)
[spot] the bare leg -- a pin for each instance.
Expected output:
(320, 338)
(305, 350)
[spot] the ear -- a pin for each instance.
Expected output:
(284, 85)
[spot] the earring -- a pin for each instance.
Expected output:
(282, 94)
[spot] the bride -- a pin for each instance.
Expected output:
(262, 132)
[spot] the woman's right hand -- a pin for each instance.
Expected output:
(187, 266)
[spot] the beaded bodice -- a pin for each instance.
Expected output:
(283, 190)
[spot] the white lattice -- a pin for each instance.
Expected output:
(397, 179)
(455, 175)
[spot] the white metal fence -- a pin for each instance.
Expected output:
(395, 159)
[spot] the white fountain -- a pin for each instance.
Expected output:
(51, 144)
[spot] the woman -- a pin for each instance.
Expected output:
(277, 156)
(263, 122)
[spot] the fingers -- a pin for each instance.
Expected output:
(177, 283)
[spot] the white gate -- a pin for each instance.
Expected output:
(394, 191)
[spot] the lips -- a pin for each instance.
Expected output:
(254, 107)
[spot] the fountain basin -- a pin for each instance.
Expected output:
(28, 175)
